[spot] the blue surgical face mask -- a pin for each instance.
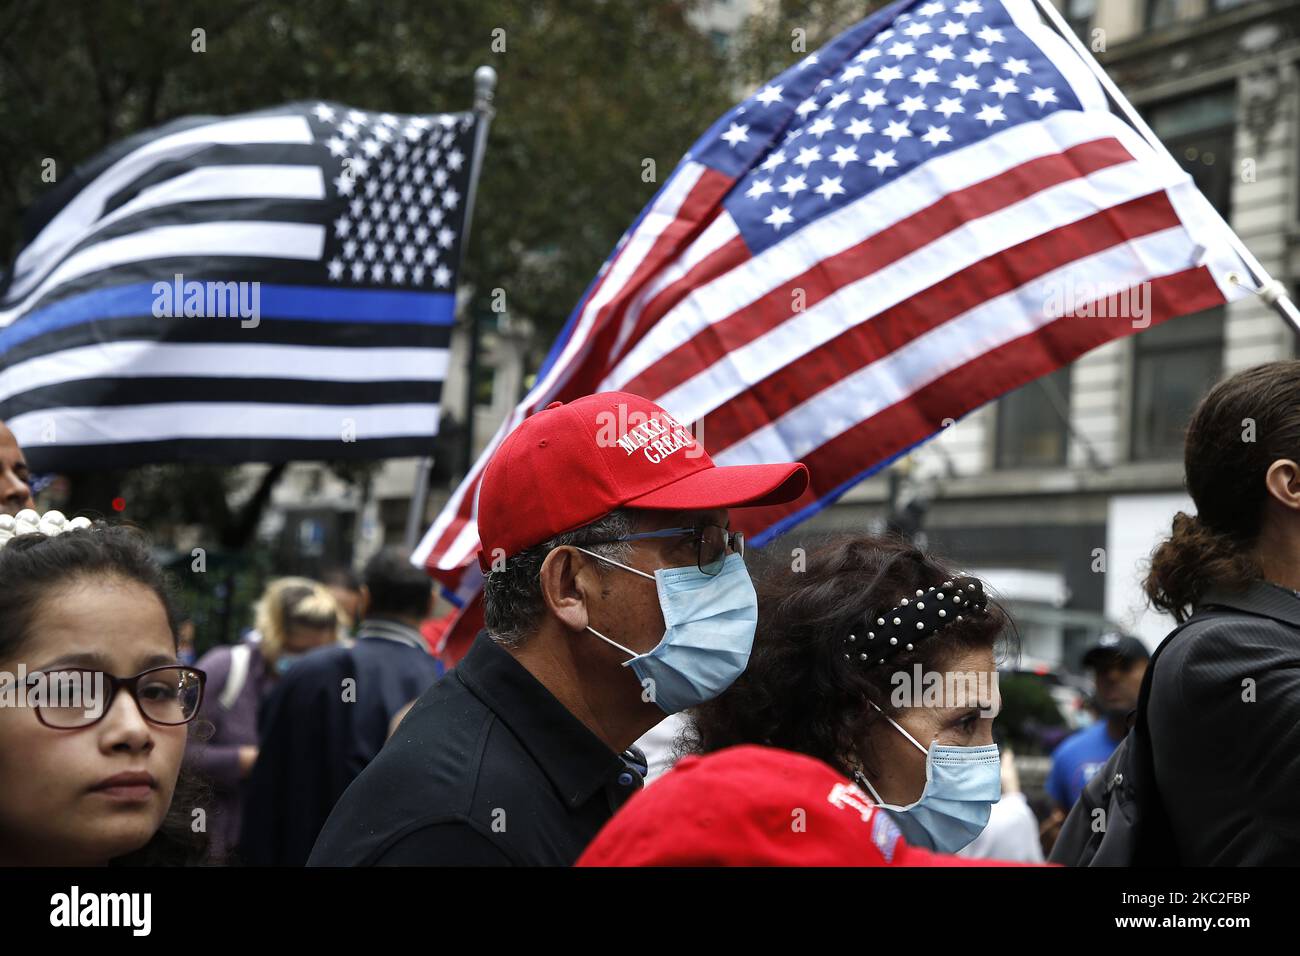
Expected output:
(709, 631)
(961, 786)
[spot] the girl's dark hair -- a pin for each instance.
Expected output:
(1245, 423)
(34, 566)
(798, 692)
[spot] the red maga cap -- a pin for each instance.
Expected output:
(567, 465)
(756, 806)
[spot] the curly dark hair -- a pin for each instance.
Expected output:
(1245, 423)
(799, 692)
(32, 566)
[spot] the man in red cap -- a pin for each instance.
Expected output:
(756, 806)
(615, 594)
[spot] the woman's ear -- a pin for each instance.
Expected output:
(566, 580)
(1283, 483)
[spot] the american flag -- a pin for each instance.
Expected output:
(270, 286)
(868, 245)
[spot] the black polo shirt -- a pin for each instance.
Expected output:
(487, 769)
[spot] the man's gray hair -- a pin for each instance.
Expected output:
(512, 597)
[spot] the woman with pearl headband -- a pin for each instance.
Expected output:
(878, 660)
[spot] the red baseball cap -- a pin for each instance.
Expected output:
(569, 464)
(756, 806)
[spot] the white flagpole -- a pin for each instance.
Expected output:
(485, 82)
(1266, 287)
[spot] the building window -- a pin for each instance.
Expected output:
(1031, 427)
(1174, 365)
(1079, 14)
(1162, 13)
(1199, 131)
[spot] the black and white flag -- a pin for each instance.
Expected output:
(271, 286)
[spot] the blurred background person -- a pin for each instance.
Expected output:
(91, 785)
(333, 711)
(822, 676)
(294, 616)
(15, 490)
(344, 584)
(1118, 663)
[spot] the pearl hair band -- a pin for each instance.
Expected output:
(27, 521)
(902, 627)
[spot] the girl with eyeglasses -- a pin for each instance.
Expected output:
(94, 704)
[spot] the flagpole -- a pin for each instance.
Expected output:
(1266, 287)
(485, 82)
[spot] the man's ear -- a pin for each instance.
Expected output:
(567, 579)
(363, 604)
(1283, 483)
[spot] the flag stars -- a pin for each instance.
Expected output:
(758, 189)
(774, 160)
(952, 29)
(820, 127)
(897, 130)
(949, 105)
(778, 217)
(924, 77)
(964, 83)
(912, 105)
(337, 145)
(324, 112)
(968, 8)
(342, 226)
(991, 35)
(931, 9)
(829, 187)
(807, 106)
(1042, 96)
(335, 267)
(793, 185)
(941, 53)
(918, 29)
(838, 100)
(1016, 67)
(859, 127)
(873, 98)
(991, 114)
(900, 50)
(937, 135)
(867, 55)
(977, 57)
(882, 161)
(844, 155)
(1002, 86)
(768, 95)
(808, 156)
(887, 74)
(852, 73)
(735, 135)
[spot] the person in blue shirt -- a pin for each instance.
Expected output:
(1118, 662)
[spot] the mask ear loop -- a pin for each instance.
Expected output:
(858, 775)
(632, 655)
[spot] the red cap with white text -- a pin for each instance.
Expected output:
(571, 463)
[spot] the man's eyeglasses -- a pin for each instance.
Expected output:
(73, 698)
(712, 543)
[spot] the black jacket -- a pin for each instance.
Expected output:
(1225, 731)
(318, 732)
(488, 768)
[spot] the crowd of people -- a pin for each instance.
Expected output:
(618, 602)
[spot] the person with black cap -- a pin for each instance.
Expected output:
(616, 593)
(1118, 662)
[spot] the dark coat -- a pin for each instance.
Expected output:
(1224, 720)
